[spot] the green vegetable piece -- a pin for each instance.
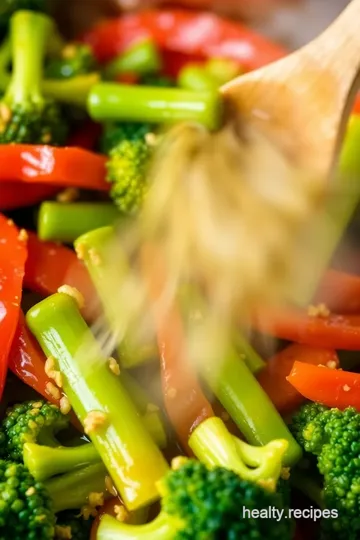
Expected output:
(204, 503)
(222, 69)
(140, 58)
(61, 222)
(247, 403)
(97, 397)
(245, 351)
(109, 101)
(195, 77)
(75, 59)
(116, 132)
(107, 271)
(215, 446)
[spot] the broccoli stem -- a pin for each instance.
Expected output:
(161, 528)
(247, 403)
(71, 491)
(107, 270)
(155, 426)
(223, 69)
(251, 358)
(195, 77)
(308, 486)
(214, 445)
(65, 222)
(109, 101)
(141, 58)
(74, 91)
(133, 460)
(45, 461)
(35, 28)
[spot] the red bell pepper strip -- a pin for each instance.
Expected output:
(184, 400)
(200, 34)
(27, 361)
(17, 195)
(13, 253)
(331, 387)
(51, 265)
(86, 136)
(339, 291)
(273, 376)
(334, 332)
(53, 166)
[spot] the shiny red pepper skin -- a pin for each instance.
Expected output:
(194, 34)
(52, 166)
(17, 195)
(13, 253)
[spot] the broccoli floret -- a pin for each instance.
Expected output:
(202, 503)
(30, 422)
(117, 132)
(75, 59)
(334, 437)
(162, 81)
(70, 525)
(25, 115)
(25, 505)
(126, 171)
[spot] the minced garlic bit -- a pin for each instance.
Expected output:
(110, 488)
(53, 390)
(50, 365)
(285, 473)
(94, 420)
(88, 511)
(65, 406)
(120, 513)
(321, 310)
(62, 532)
(94, 257)
(151, 139)
(5, 113)
(268, 484)
(57, 377)
(74, 293)
(68, 195)
(23, 235)
(114, 366)
(172, 393)
(31, 491)
(331, 364)
(46, 138)
(81, 251)
(178, 462)
(346, 388)
(151, 407)
(96, 499)
(225, 416)
(69, 51)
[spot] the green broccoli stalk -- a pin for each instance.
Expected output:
(140, 58)
(107, 273)
(111, 101)
(99, 400)
(25, 507)
(215, 446)
(198, 502)
(70, 525)
(25, 115)
(249, 406)
(333, 436)
(75, 59)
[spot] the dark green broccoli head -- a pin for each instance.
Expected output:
(25, 115)
(25, 505)
(69, 523)
(334, 436)
(76, 59)
(31, 421)
(126, 171)
(201, 503)
(115, 133)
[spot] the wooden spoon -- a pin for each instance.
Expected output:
(303, 101)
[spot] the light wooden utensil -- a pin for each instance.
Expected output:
(303, 101)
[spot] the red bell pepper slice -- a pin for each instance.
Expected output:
(17, 195)
(331, 387)
(51, 265)
(13, 253)
(184, 399)
(200, 34)
(339, 291)
(334, 332)
(27, 361)
(53, 166)
(273, 376)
